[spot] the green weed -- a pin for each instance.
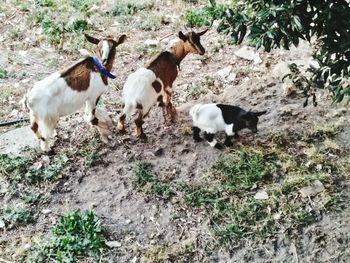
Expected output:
(242, 172)
(127, 8)
(142, 173)
(145, 179)
(29, 197)
(3, 74)
(15, 216)
(77, 234)
(20, 169)
(82, 5)
(150, 22)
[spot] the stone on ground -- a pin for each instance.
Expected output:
(14, 141)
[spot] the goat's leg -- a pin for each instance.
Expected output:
(228, 140)
(122, 117)
(169, 106)
(90, 110)
(213, 143)
(196, 136)
(34, 126)
(139, 121)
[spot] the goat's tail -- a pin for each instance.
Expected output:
(194, 111)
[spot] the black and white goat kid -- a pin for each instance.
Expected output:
(212, 118)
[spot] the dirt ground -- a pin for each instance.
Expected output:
(138, 221)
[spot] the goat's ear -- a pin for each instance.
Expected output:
(182, 36)
(203, 32)
(92, 39)
(259, 113)
(121, 40)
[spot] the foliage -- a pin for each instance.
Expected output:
(21, 169)
(144, 178)
(14, 216)
(3, 73)
(274, 24)
(126, 8)
(75, 234)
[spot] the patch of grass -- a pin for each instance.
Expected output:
(91, 153)
(203, 16)
(180, 252)
(143, 173)
(29, 197)
(3, 74)
(126, 8)
(145, 179)
(45, 3)
(23, 169)
(82, 5)
(243, 171)
(149, 22)
(77, 234)
(15, 216)
(274, 166)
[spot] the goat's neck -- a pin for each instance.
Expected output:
(179, 51)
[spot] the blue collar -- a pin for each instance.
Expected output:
(102, 69)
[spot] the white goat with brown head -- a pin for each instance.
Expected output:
(153, 83)
(63, 93)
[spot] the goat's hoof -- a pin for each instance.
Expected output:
(219, 146)
(228, 144)
(142, 137)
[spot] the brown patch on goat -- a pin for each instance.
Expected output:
(78, 75)
(35, 127)
(157, 86)
(139, 106)
(164, 67)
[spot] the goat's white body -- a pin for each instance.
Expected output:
(208, 117)
(52, 98)
(138, 89)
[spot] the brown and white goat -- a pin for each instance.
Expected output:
(63, 93)
(153, 83)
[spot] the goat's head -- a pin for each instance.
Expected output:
(192, 41)
(105, 46)
(251, 120)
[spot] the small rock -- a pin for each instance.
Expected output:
(280, 70)
(128, 221)
(46, 211)
(261, 195)
(315, 188)
(14, 141)
(2, 223)
(277, 216)
(248, 54)
(231, 77)
(159, 152)
(151, 42)
(113, 244)
(134, 260)
(223, 73)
